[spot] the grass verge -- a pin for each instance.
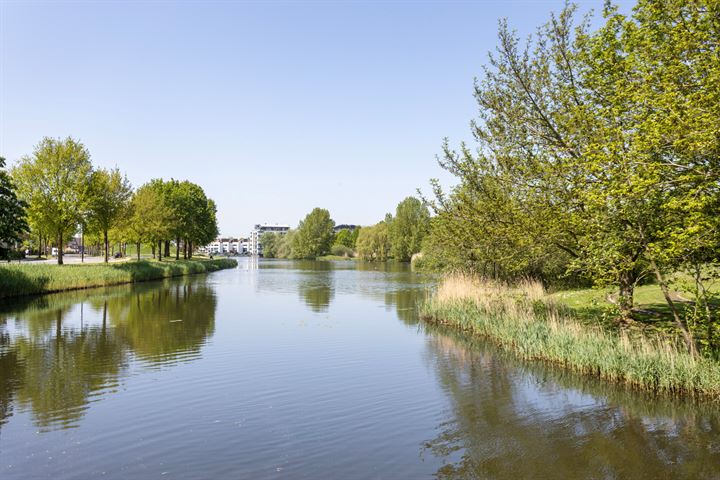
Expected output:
(29, 279)
(534, 326)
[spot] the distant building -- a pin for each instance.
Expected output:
(226, 245)
(345, 226)
(254, 245)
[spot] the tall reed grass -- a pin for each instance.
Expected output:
(29, 279)
(525, 320)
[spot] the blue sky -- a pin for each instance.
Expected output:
(274, 108)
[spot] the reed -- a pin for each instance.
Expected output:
(524, 319)
(29, 279)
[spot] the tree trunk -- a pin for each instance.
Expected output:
(167, 248)
(82, 245)
(626, 293)
(159, 245)
(185, 249)
(152, 248)
(60, 249)
(137, 245)
(679, 322)
(177, 248)
(105, 240)
(190, 248)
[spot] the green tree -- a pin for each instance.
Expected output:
(270, 242)
(110, 193)
(373, 243)
(314, 235)
(344, 238)
(150, 216)
(408, 229)
(194, 216)
(659, 68)
(13, 221)
(285, 244)
(54, 182)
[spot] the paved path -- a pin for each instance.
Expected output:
(73, 258)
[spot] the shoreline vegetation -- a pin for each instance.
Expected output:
(18, 280)
(534, 325)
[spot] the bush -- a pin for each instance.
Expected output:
(342, 251)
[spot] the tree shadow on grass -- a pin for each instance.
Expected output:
(142, 270)
(15, 282)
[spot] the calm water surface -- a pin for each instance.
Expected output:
(310, 370)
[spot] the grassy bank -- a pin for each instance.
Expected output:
(535, 326)
(29, 279)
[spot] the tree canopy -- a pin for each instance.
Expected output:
(597, 154)
(314, 235)
(55, 182)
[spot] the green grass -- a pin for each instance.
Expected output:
(29, 279)
(534, 326)
(651, 311)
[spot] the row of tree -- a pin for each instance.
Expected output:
(597, 157)
(59, 193)
(398, 237)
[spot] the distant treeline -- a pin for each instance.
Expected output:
(397, 237)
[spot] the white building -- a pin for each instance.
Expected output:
(254, 245)
(226, 245)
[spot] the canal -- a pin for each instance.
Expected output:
(308, 370)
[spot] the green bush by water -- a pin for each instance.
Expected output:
(28, 279)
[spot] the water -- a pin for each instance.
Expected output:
(310, 370)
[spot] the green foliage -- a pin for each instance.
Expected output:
(314, 235)
(13, 222)
(345, 238)
(270, 242)
(285, 244)
(408, 229)
(373, 243)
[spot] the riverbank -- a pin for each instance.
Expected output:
(28, 279)
(535, 326)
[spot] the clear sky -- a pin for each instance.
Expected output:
(274, 108)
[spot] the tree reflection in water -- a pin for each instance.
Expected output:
(66, 348)
(514, 420)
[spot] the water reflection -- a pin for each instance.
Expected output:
(358, 398)
(165, 325)
(512, 420)
(317, 291)
(59, 351)
(318, 282)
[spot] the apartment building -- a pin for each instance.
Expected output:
(255, 245)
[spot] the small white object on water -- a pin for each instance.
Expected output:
(173, 321)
